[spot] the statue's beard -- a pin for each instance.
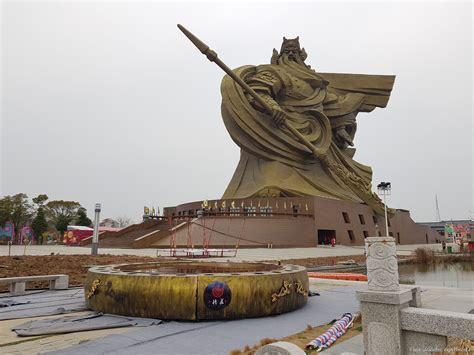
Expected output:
(286, 59)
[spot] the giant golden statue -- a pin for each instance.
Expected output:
(296, 127)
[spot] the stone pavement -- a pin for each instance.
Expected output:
(256, 254)
(336, 298)
(352, 346)
(186, 337)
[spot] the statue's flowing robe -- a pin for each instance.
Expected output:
(275, 163)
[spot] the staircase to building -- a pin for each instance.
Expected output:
(126, 237)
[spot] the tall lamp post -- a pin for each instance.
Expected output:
(384, 189)
(95, 236)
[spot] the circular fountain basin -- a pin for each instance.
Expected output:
(189, 290)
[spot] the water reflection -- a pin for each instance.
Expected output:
(459, 275)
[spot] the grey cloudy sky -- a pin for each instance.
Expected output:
(108, 102)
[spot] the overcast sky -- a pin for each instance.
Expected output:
(108, 102)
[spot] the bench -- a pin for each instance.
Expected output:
(17, 284)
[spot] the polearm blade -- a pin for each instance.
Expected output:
(212, 56)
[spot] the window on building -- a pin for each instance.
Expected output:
(250, 211)
(388, 220)
(361, 219)
(374, 218)
(398, 238)
(346, 217)
(380, 234)
(234, 211)
(296, 209)
(366, 234)
(266, 211)
(351, 235)
(390, 234)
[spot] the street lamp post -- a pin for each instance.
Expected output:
(384, 188)
(95, 236)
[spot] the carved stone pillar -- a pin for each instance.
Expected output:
(382, 264)
(380, 304)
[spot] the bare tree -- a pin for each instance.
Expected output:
(124, 221)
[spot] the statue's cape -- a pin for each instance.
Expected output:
(376, 89)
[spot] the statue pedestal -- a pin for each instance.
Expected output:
(381, 320)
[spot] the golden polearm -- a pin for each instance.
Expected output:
(212, 56)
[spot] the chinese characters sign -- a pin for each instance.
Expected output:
(217, 295)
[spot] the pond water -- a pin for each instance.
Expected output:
(459, 275)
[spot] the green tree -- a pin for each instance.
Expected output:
(61, 224)
(40, 200)
(5, 211)
(15, 209)
(82, 219)
(61, 213)
(39, 224)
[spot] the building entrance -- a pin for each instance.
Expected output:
(325, 236)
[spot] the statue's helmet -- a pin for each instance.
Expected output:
(292, 49)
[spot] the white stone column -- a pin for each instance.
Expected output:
(382, 264)
(381, 302)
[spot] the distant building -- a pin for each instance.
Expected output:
(110, 223)
(439, 226)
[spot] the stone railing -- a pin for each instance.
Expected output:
(392, 318)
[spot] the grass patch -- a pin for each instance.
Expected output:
(428, 256)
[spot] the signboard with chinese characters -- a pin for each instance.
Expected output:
(217, 295)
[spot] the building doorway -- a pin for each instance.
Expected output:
(325, 236)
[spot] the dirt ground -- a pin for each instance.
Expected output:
(73, 265)
(76, 265)
(327, 260)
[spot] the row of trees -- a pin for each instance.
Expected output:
(41, 213)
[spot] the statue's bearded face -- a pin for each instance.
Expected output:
(293, 53)
(290, 51)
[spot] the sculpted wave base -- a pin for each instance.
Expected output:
(188, 290)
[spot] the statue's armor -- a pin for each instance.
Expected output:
(289, 90)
